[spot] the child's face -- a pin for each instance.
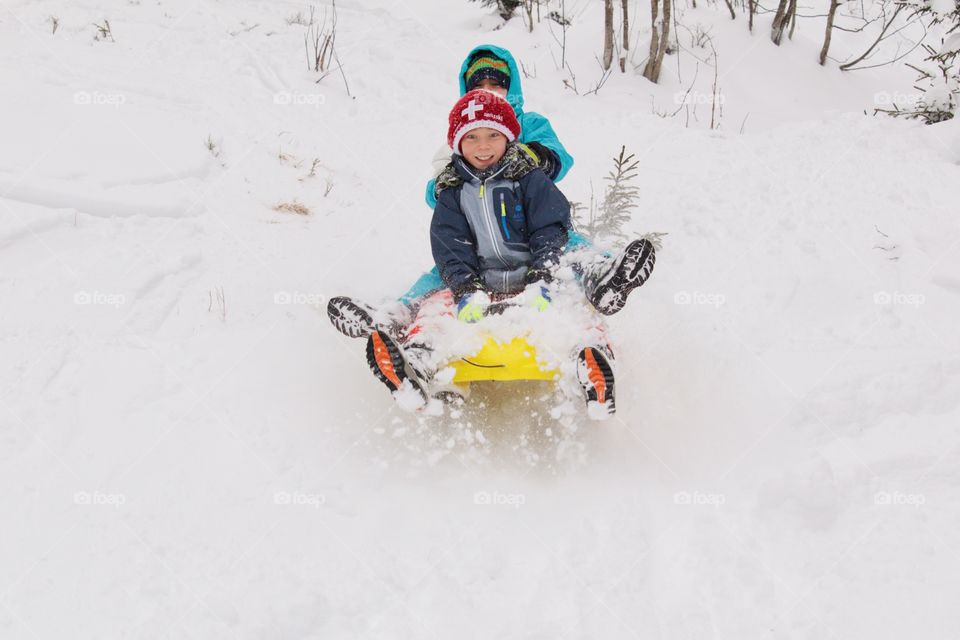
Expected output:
(492, 85)
(483, 147)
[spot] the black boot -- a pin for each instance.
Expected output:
(607, 286)
(355, 319)
(352, 319)
(596, 377)
(388, 363)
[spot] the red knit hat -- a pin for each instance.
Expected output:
(481, 108)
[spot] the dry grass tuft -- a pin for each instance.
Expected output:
(292, 207)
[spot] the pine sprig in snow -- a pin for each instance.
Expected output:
(619, 201)
(939, 73)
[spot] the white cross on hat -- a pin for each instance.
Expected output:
(472, 109)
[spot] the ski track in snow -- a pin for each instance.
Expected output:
(188, 449)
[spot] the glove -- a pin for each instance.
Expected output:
(542, 300)
(538, 274)
(542, 156)
(471, 307)
(518, 161)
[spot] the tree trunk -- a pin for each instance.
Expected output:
(826, 38)
(626, 36)
(659, 36)
(648, 70)
(667, 11)
(780, 20)
(752, 4)
(792, 11)
(834, 4)
(607, 34)
(733, 16)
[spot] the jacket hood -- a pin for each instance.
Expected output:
(515, 92)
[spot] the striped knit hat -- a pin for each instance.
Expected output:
(487, 65)
(481, 108)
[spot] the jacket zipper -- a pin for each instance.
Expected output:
(488, 218)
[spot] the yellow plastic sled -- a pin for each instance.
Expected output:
(515, 360)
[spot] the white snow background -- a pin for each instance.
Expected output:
(189, 450)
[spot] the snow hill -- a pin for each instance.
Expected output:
(188, 449)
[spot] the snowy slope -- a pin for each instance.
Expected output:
(188, 450)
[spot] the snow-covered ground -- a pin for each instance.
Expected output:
(189, 450)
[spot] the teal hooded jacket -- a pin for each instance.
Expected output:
(533, 126)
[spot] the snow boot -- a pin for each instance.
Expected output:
(352, 319)
(596, 377)
(355, 319)
(388, 363)
(608, 285)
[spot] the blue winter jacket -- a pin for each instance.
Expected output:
(487, 232)
(533, 126)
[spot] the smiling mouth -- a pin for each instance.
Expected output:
(484, 158)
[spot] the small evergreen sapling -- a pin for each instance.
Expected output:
(939, 81)
(939, 73)
(620, 199)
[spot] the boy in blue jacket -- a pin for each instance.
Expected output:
(493, 68)
(488, 67)
(499, 226)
